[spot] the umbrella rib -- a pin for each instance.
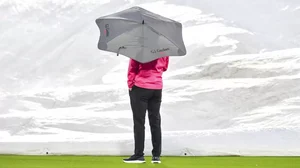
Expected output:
(143, 32)
(111, 18)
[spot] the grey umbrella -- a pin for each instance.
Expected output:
(140, 34)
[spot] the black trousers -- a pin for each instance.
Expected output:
(141, 100)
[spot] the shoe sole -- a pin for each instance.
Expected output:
(136, 161)
(156, 162)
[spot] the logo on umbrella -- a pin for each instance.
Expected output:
(106, 31)
(159, 50)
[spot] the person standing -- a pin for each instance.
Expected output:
(145, 83)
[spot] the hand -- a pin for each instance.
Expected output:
(130, 89)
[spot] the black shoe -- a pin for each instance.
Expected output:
(155, 159)
(135, 159)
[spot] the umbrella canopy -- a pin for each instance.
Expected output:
(140, 34)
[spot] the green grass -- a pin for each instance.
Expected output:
(14, 161)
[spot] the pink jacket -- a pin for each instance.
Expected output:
(147, 75)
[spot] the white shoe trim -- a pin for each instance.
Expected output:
(155, 161)
(134, 161)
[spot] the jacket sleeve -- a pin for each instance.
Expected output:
(166, 63)
(132, 71)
